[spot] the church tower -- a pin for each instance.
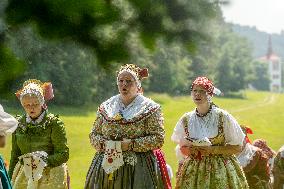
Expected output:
(274, 68)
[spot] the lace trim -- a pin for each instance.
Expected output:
(113, 158)
(247, 155)
(37, 120)
(140, 108)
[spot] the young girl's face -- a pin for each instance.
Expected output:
(199, 95)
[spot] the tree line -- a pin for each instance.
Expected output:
(79, 77)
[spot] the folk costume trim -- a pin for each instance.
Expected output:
(140, 108)
(41, 122)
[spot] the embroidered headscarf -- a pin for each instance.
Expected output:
(137, 73)
(43, 91)
(207, 84)
(261, 143)
(8, 124)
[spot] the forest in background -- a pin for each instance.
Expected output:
(214, 49)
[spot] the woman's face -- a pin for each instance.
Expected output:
(199, 95)
(127, 85)
(32, 106)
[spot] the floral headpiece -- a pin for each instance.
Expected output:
(207, 84)
(137, 72)
(261, 143)
(246, 131)
(43, 91)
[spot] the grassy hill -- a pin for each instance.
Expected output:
(262, 111)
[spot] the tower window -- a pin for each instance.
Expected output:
(275, 65)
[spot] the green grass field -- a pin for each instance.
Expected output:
(262, 111)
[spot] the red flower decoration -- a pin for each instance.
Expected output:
(110, 160)
(143, 73)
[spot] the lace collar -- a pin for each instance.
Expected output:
(114, 107)
(37, 120)
(247, 154)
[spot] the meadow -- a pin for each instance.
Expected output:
(261, 111)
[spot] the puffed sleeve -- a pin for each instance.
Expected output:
(96, 138)
(233, 132)
(7, 122)
(59, 141)
(155, 134)
(15, 153)
(179, 132)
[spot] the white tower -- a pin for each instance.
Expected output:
(274, 68)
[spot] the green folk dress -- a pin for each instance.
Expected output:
(140, 121)
(47, 133)
(212, 171)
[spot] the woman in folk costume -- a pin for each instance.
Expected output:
(278, 169)
(39, 145)
(209, 137)
(126, 135)
(8, 125)
(254, 162)
(269, 152)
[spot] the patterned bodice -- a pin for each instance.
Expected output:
(143, 124)
(219, 139)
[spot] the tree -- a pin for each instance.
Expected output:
(105, 26)
(234, 68)
(261, 79)
(169, 71)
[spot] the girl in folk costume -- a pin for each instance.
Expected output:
(127, 134)
(39, 145)
(254, 163)
(209, 137)
(278, 169)
(270, 153)
(8, 124)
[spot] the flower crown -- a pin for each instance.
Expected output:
(43, 91)
(135, 71)
(140, 73)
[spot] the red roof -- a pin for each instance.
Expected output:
(272, 57)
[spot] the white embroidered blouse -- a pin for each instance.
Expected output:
(207, 126)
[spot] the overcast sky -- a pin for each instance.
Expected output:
(266, 15)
